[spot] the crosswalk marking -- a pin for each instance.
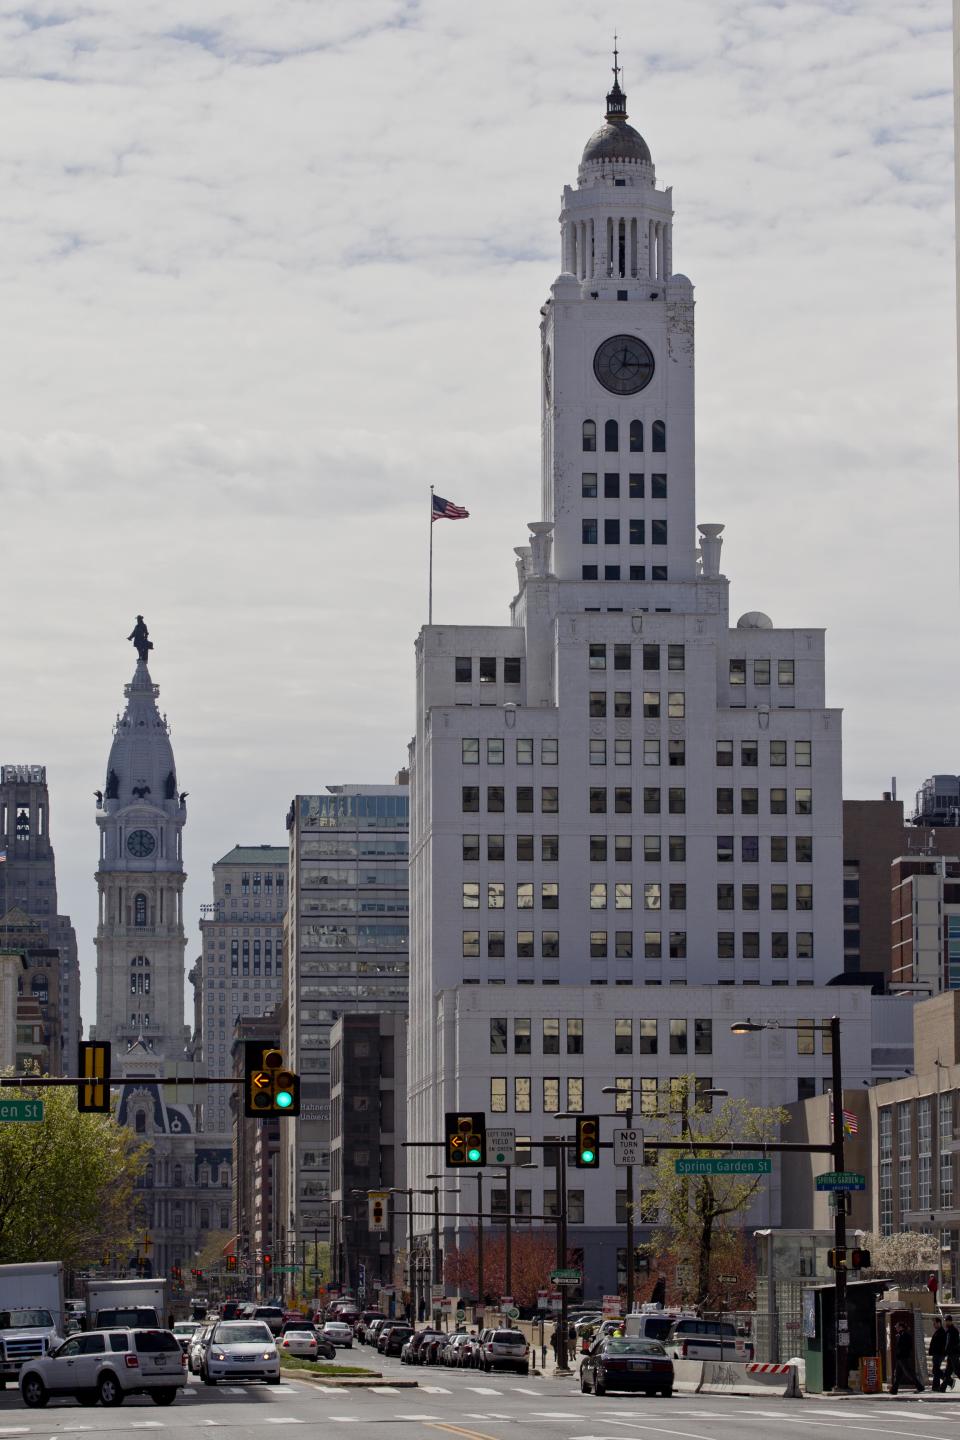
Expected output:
(384, 1390)
(344, 1419)
(282, 1420)
(525, 1390)
(146, 1425)
(436, 1390)
(483, 1390)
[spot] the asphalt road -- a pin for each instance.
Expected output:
(473, 1406)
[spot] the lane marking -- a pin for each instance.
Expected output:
(525, 1390)
(343, 1419)
(282, 1420)
(384, 1390)
(459, 1430)
(688, 1434)
(868, 1425)
(146, 1425)
(483, 1390)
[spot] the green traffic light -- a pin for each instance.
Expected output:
(284, 1099)
(587, 1156)
(473, 1154)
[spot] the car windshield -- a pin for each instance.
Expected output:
(152, 1342)
(126, 1318)
(237, 1333)
(657, 1328)
(633, 1347)
(509, 1337)
(24, 1319)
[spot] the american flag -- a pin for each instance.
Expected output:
(447, 510)
(851, 1125)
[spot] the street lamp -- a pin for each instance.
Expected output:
(437, 1277)
(829, 1027)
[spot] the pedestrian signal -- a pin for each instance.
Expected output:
(860, 1260)
(587, 1154)
(466, 1139)
(231, 1262)
(837, 1259)
(93, 1096)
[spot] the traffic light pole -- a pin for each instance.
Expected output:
(842, 1384)
(480, 1297)
(631, 1276)
(508, 1239)
(562, 1359)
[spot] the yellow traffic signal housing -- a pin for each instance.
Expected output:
(269, 1088)
(587, 1154)
(466, 1139)
(93, 1096)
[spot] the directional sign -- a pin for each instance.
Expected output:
(841, 1180)
(628, 1147)
(723, 1165)
(501, 1146)
(21, 1111)
(565, 1277)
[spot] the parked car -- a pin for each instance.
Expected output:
(410, 1351)
(198, 1344)
(185, 1331)
(627, 1364)
(241, 1350)
(365, 1319)
(107, 1365)
(271, 1315)
(338, 1332)
(394, 1339)
(453, 1349)
(375, 1329)
(506, 1350)
(431, 1350)
(299, 1338)
(694, 1339)
(654, 1323)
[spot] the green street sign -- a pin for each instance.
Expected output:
(21, 1111)
(723, 1165)
(565, 1277)
(841, 1180)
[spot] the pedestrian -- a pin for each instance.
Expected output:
(555, 1342)
(951, 1367)
(937, 1350)
(903, 1367)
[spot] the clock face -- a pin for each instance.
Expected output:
(623, 365)
(141, 843)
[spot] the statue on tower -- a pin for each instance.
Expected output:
(140, 636)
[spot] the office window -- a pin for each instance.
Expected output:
(677, 752)
(611, 532)
(511, 670)
(676, 704)
(524, 894)
(550, 847)
(725, 945)
(470, 752)
(471, 944)
(804, 897)
(621, 657)
(574, 1093)
(598, 800)
(725, 752)
(779, 897)
(651, 704)
(495, 799)
(749, 800)
(637, 532)
(778, 801)
(703, 1037)
(550, 944)
(652, 945)
(622, 752)
(651, 800)
(806, 1038)
(659, 432)
(588, 484)
(521, 1094)
(623, 895)
(676, 847)
(495, 847)
(597, 657)
(549, 895)
(651, 752)
(761, 672)
(598, 895)
(524, 799)
(488, 669)
(623, 800)
(724, 800)
(804, 944)
(574, 1037)
(651, 657)
(589, 435)
(495, 895)
(549, 800)
(623, 1037)
(463, 669)
(678, 944)
(750, 849)
(750, 897)
(725, 896)
(623, 944)
(498, 1035)
(551, 1037)
(498, 1094)
(750, 944)
(598, 944)
(588, 532)
(785, 672)
(551, 1095)
(802, 753)
(525, 752)
(676, 800)
(738, 672)
(471, 895)
(651, 848)
(725, 849)
(778, 849)
(597, 709)
(804, 849)
(658, 532)
(749, 752)
(525, 945)
(678, 1037)
(778, 752)
(636, 436)
(780, 945)
(494, 752)
(611, 485)
(658, 487)
(524, 847)
(471, 847)
(651, 895)
(598, 752)
(589, 572)
(598, 847)
(622, 704)
(549, 751)
(623, 847)
(496, 945)
(470, 799)
(803, 801)
(611, 435)
(635, 486)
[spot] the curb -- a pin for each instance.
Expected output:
(928, 1397)
(353, 1382)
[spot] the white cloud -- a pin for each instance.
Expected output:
(267, 276)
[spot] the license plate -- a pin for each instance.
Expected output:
(639, 1364)
(160, 1360)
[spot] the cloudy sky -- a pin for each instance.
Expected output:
(269, 270)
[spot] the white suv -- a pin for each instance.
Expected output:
(107, 1365)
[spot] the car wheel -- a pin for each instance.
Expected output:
(667, 1392)
(34, 1392)
(598, 1387)
(163, 1397)
(525, 1370)
(584, 1387)
(274, 1379)
(207, 1378)
(109, 1391)
(87, 1397)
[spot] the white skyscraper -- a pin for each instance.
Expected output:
(619, 802)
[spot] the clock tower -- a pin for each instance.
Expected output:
(140, 877)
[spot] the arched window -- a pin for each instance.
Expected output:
(139, 909)
(659, 436)
(611, 435)
(636, 435)
(589, 434)
(140, 1122)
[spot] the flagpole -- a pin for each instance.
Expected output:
(430, 588)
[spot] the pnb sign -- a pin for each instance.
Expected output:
(23, 774)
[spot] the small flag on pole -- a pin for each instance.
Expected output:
(447, 510)
(851, 1125)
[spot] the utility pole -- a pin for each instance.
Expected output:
(480, 1299)
(631, 1278)
(508, 1239)
(410, 1264)
(435, 1276)
(562, 1363)
(839, 1215)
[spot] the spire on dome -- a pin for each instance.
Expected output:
(616, 140)
(616, 99)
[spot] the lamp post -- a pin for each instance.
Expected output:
(832, 1028)
(436, 1276)
(411, 1269)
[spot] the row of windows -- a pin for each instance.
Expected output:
(636, 532)
(624, 1030)
(750, 752)
(486, 669)
(623, 703)
(245, 883)
(611, 436)
(761, 672)
(636, 485)
(623, 749)
(779, 845)
(778, 947)
(750, 800)
(549, 799)
(651, 656)
(470, 751)
(571, 1090)
(779, 897)
(600, 847)
(612, 572)
(599, 893)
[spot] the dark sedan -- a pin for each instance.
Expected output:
(627, 1364)
(394, 1339)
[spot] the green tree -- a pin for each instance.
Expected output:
(67, 1184)
(698, 1215)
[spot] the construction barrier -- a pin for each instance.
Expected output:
(687, 1375)
(727, 1377)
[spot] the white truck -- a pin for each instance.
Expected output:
(31, 1313)
(127, 1303)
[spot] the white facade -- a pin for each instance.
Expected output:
(618, 788)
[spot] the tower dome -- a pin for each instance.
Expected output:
(616, 140)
